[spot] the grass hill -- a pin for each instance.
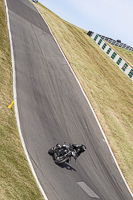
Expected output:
(109, 90)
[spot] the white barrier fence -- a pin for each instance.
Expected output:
(113, 55)
(116, 43)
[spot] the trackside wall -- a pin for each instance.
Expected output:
(113, 55)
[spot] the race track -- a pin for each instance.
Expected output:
(52, 109)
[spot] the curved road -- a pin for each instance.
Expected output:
(52, 108)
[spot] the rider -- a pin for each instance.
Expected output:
(76, 149)
(58, 148)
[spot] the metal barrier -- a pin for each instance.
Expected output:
(112, 54)
(113, 42)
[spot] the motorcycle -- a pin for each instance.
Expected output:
(62, 154)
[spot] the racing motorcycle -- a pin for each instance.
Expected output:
(62, 154)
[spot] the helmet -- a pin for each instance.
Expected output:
(82, 148)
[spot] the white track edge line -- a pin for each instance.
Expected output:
(90, 106)
(15, 103)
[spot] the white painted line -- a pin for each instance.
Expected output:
(91, 109)
(87, 190)
(15, 103)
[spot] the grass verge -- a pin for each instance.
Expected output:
(16, 179)
(109, 90)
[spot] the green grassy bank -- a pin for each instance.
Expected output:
(109, 90)
(16, 179)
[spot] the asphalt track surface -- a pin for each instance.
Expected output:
(52, 109)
